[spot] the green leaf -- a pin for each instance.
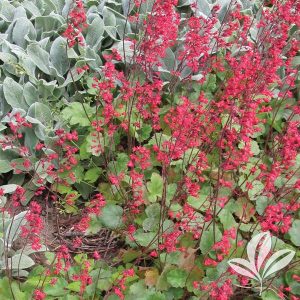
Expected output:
(270, 295)
(294, 233)
(227, 219)
(74, 286)
(127, 7)
(151, 224)
(5, 166)
(215, 273)
(8, 58)
(94, 225)
(40, 57)
(83, 151)
(244, 209)
(75, 113)
(7, 11)
(92, 175)
(94, 62)
(78, 171)
(13, 94)
(296, 61)
(3, 201)
(8, 287)
(153, 211)
(197, 202)
(169, 60)
(177, 278)
(84, 189)
(261, 202)
(207, 239)
(144, 132)
(144, 239)
(162, 283)
(111, 216)
(255, 148)
(171, 190)
(258, 187)
(57, 290)
(155, 187)
(130, 255)
(122, 161)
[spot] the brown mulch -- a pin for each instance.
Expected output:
(60, 230)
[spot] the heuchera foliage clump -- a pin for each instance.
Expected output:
(153, 139)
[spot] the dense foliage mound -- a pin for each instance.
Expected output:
(145, 144)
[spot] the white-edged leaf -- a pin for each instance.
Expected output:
(252, 247)
(247, 271)
(264, 250)
(275, 264)
(235, 265)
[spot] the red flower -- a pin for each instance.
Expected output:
(39, 295)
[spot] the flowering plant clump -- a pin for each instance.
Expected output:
(144, 144)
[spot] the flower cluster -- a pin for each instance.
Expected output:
(34, 226)
(191, 136)
(121, 287)
(76, 24)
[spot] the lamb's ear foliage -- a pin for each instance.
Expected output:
(38, 69)
(10, 229)
(32, 48)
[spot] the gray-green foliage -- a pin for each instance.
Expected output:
(35, 60)
(10, 229)
(38, 70)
